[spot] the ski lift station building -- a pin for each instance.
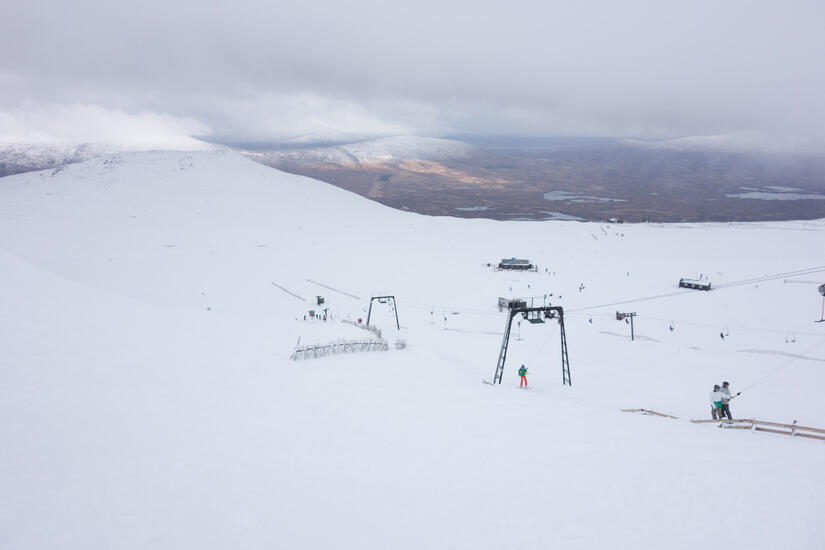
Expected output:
(694, 284)
(510, 303)
(515, 264)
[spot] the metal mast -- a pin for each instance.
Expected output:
(534, 315)
(383, 300)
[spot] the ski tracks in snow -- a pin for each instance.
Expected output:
(288, 292)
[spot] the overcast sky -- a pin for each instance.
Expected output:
(318, 70)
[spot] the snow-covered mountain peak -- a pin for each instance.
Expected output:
(40, 155)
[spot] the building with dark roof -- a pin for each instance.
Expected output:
(514, 264)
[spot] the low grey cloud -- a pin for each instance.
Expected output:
(254, 70)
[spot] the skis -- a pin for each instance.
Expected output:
(484, 380)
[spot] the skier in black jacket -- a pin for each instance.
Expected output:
(726, 401)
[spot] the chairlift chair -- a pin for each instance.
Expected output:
(534, 317)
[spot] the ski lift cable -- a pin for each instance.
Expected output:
(772, 277)
(717, 287)
(784, 365)
(630, 301)
(469, 310)
(478, 311)
(793, 273)
(716, 325)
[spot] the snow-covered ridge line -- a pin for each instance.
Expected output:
(27, 157)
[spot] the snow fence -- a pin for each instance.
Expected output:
(371, 328)
(314, 351)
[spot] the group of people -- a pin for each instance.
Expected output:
(720, 401)
(720, 397)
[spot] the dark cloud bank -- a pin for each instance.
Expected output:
(257, 71)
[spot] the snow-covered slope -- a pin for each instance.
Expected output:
(384, 150)
(26, 157)
(151, 302)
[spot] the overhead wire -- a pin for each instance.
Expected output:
(784, 365)
(752, 280)
(735, 327)
(479, 311)
(574, 311)
(796, 273)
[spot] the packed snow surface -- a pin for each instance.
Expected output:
(151, 302)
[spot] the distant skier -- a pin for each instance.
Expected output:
(726, 397)
(716, 397)
(522, 372)
(722, 335)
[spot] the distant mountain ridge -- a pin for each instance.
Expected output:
(16, 158)
(383, 150)
(742, 143)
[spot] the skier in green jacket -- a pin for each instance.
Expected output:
(522, 372)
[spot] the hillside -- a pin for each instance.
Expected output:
(152, 302)
(18, 158)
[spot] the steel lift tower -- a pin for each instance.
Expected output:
(385, 300)
(534, 315)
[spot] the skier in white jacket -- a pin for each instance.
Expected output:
(716, 397)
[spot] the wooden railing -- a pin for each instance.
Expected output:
(794, 429)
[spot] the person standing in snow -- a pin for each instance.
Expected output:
(726, 397)
(716, 402)
(522, 372)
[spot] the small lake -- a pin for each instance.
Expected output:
(574, 197)
(775, 193)
(473, 208)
